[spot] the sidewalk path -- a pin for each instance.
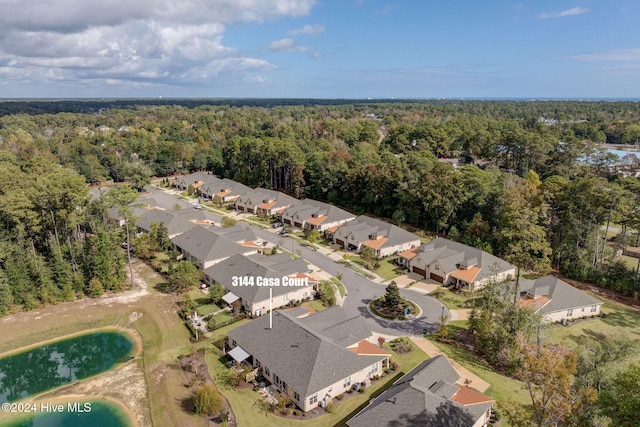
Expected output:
(476, 382)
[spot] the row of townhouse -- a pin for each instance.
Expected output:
(254, 299)
(441, 260)
(220, 189)
(452, 263)
(385, 239)
(354, 233)
(225, 252)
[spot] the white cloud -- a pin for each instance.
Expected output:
(309, 29)
(290, 45)
(131, 43)
(569, 12)
(283, 45)
(631, 54)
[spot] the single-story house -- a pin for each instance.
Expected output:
(557, 300)
(206, 246)
(453, 263)
(250, 269)
(314, 215)
(263, 202)
(182, 183)
(431, 394)
(312, 358)
(223, 190)
(384, 238)
(177, 222)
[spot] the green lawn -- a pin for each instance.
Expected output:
(223, 317)
(387, 270)
(314, 304)
(631, 262)
(620, 320)
(250, 411)
(451, 300)
(408, 361)
(502, 387)
(206, 309)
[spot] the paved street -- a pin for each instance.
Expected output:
(360, 290)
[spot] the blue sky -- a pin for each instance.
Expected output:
(320, 49)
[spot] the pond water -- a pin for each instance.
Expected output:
(103, 414)
(622, 153)
(61, 362)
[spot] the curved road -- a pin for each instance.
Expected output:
(360, 291)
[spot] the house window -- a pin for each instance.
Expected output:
(266, 372)
(313, 399)
(593, 308)
(347, 381)
(258, 364)
(583, 309)
(296, 396)
(570, 312)
(233, 343)
(374, 369)
(436, 267)
(276, 379)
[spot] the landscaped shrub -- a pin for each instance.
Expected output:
(331, 408)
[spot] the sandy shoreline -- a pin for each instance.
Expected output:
(132, 334)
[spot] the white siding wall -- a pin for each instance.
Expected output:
(279, 301)
(574, 313)
(338, 387)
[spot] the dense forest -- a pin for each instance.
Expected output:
(533, 180)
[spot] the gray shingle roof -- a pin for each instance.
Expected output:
(205, 244)
(363, 227)
(302, 357)
(418, 399)
(563, 296)
(450, 254)
(176, 221)
(307, 208)
(263, 195)
(334, 324)
(255, 265)
(186, 180)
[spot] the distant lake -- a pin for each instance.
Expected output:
(61, 362)
(622, 153)
(103, 414)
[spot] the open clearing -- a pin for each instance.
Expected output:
(151, 386)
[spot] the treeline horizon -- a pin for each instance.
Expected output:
(540, 199)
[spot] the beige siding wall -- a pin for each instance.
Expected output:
(338, 387)
(281, 300)
(574, 313)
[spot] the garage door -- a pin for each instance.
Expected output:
(437, 278)
(340, 242)
(419, 271)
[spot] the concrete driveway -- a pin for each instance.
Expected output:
(360, 290)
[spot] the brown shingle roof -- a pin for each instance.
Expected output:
(375, 243)
(411, 253)
(466, 275)
(534, 304)
(467, 396)
(366, 348)
(317, 220)
(266, 205)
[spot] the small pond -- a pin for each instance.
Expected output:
(61, 362)
(100, 413)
